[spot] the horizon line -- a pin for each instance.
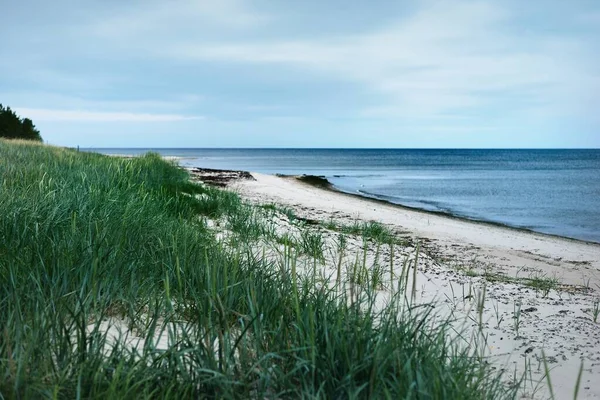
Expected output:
(340, 148)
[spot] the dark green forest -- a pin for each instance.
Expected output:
(14, 127)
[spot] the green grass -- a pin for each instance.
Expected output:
(312, 244)
(369, 230)
(274, 208)
(87, 241)
(542, 284)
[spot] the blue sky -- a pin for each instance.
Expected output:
(267, 73)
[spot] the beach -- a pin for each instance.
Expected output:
(531, 297)
(273, 286)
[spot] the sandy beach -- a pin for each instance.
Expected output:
(531, 298)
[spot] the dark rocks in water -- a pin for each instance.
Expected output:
(219, 177)
(314, 180)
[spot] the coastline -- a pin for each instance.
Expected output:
(509, 248)
(208, 272)
(447, 214)
(539, 289)
(473, 193)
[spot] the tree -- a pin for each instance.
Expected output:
(14, 127)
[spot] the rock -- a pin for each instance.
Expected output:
(219, 177)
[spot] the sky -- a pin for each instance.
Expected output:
(312, 73)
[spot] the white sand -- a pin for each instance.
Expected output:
(456, 253)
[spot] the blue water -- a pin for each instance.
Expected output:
(549, 191)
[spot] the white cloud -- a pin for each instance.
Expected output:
(159, 20)
(451, 64)
(452, 55)
(42, 114)
(51, 100)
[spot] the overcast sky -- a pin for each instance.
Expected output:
(312, 73)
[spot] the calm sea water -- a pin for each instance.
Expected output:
(549, 191)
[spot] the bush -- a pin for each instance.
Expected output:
(14, 127)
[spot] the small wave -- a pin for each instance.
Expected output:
(428, 205)
(357, 175)
(379, 196)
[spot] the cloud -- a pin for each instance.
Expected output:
(454, 56)
(41, 114)
(160, 20)
(49, 100)
(431, 65)
(450, 56)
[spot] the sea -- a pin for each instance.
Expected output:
(549, 191)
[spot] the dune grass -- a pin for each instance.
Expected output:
(113, 286)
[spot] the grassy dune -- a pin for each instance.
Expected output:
(114, 283)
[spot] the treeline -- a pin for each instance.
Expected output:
(14, 127)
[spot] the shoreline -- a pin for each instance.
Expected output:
(510, 250)
(235, 179)
(504, 262)
(331, 187)
(538, 226)
(321, 183)
(538, 290)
